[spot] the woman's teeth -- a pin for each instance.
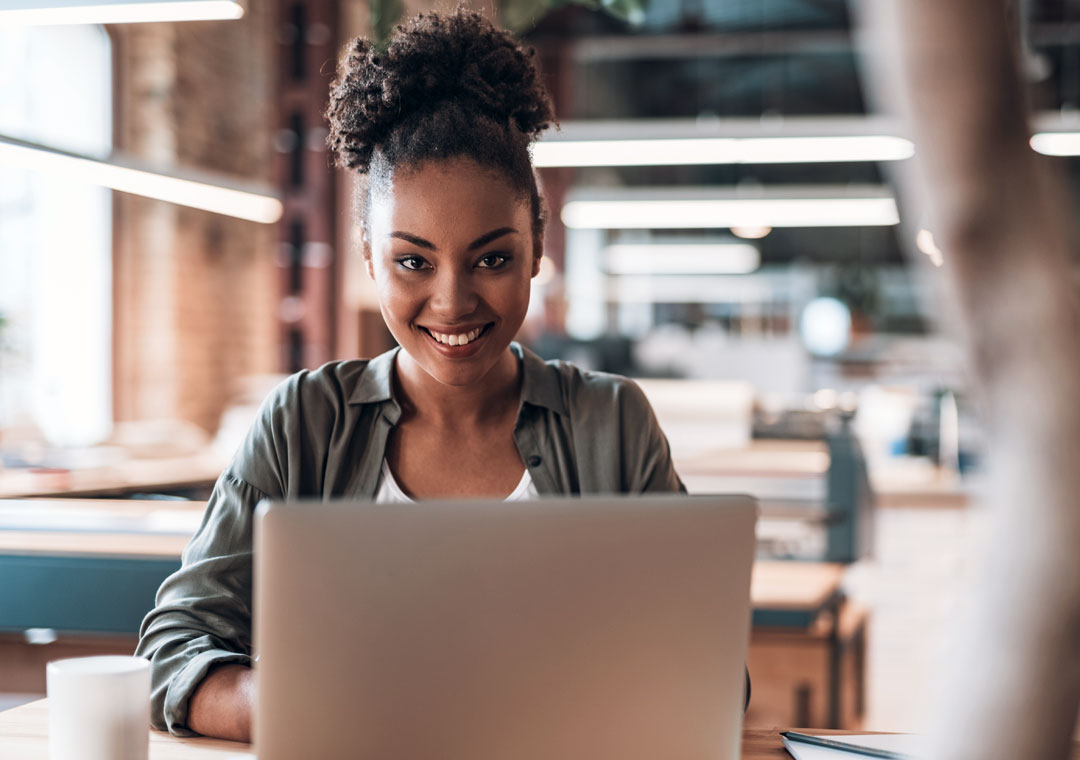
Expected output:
(456, 340)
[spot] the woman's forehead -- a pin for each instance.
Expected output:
(447, 198)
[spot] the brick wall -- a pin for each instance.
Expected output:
(195, 292)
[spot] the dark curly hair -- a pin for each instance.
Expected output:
(447, 86)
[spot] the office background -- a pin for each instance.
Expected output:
(793, 353)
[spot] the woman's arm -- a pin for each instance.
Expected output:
(202, 616)
(223, 703)
(647, 452)
(201, 621)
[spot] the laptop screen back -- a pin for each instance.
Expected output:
(586, 628)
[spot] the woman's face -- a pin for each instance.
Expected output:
(451, 252)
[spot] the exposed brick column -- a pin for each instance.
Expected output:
(305, 54)
(194, 292)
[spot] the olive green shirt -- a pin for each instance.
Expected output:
(323, 434)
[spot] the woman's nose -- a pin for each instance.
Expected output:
(454, 296)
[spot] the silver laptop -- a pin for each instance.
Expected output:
(601, 628)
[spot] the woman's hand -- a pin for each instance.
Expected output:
(223, 703)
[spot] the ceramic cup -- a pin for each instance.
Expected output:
(99, 708)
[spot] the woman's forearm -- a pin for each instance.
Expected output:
(223, 703)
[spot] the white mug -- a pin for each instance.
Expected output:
(99, 708)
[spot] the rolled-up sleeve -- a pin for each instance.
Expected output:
(202, 615)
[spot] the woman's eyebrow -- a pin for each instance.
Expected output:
(493, 235)
(478, 243)
(413, 239)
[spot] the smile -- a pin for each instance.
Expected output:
(457, 339)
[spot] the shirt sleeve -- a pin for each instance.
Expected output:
(202, 615)
(648, 465)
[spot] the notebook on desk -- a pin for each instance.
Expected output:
(906, 746)
(603, 628)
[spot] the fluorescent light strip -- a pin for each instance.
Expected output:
(712, 214)
(185, 192)
(688, 289)
(720, 150)
(122, 13)
(683, 258)
(1057, 143)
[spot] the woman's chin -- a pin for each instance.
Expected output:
(455, 371)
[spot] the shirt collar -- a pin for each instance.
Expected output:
(539, 386)
(376, 381)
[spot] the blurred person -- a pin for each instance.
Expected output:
(438, 128)
(1004, 222)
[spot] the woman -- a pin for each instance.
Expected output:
(438, 128)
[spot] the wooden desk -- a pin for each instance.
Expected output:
(796, 587)
(807, 647)
(24, 736)
(787, 465)
(97, 527)
(197, 471)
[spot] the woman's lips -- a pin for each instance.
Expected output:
(450, 344)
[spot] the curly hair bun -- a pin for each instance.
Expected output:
(460, 59)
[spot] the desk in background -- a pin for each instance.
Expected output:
(197, 472)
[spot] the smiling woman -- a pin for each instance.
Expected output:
(452, 254)
(437, 128)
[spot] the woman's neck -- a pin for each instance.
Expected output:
(489, 400)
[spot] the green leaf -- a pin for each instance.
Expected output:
(385, 14)
(520, 15)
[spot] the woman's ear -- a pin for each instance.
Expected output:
(538, 254)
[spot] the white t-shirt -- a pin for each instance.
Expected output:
(390, 492)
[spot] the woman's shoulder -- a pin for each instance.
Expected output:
(591, 381)
(333, 386)
(585, 390)
(333, 379)
(301, 420)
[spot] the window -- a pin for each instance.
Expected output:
(56, 237)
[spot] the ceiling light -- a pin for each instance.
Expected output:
(1057, 143)
(683, 258)
(835, 139)
(751, 233)
(656, 208)
(57, 12)
(719, 150)
(1057, 133)
(188, 189)
(686, 288)
(658, 142)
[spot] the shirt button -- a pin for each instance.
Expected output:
(534, 461)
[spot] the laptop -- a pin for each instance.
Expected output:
(599, 628)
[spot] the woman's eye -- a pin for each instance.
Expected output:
(493, 261)
(411, 262)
